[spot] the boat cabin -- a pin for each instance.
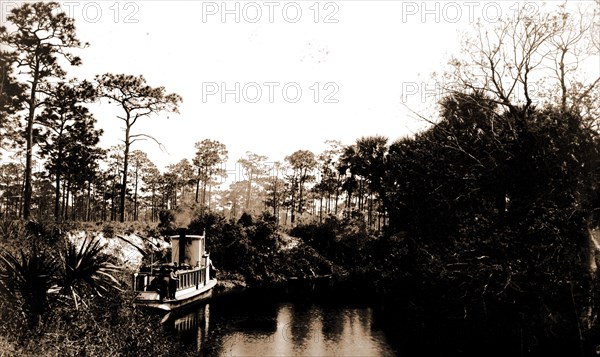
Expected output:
(188, 250)
(189, 257)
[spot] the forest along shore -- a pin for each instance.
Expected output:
(479, 223)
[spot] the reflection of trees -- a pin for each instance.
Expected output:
(235, 320)
(332, 324)
(365, 317)
(299, 328)
(344, 324)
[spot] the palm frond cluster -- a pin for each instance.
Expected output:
(37, 275)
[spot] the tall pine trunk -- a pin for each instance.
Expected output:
(57, 195)
(88, 211)
(135, 196)
(27, 192)
(125, 167)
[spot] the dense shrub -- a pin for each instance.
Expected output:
(253, 248)
(494, 206)
(60, 301)
(108, 230)
(345, 242)
(109, 326)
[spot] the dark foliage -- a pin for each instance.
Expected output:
(495, 208)
(39, 280)
(25, 278)
(166, 219)
(345, 242)
(254, 249)
(488, 224)
(246, 220)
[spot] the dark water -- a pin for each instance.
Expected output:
(334, 322)
(266, 324)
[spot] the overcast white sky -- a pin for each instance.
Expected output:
(357, 56)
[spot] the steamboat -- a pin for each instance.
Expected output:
(183, 281)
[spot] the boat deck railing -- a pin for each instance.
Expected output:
(150, 281)
(190, 278)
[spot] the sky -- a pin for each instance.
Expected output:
(273, 77)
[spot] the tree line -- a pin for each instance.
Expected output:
(44, 116)
(46, 123)
(484, 217)
(57, 169)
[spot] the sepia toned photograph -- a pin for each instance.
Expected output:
(353, 178)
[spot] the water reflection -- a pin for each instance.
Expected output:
(253, 327)
(193, 327)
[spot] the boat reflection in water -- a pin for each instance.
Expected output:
(248, 327)
(193, 327)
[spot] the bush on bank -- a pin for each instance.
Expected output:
(48, 323)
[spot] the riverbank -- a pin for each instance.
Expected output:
(319, 267)
(64, 292)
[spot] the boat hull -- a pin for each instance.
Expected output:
(182, 298)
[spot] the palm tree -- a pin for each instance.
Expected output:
(86, 271)
(34, 277)
(25, 280)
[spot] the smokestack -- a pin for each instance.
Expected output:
(182, 239)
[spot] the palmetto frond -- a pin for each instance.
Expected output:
(25, 279)
(87, 270)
